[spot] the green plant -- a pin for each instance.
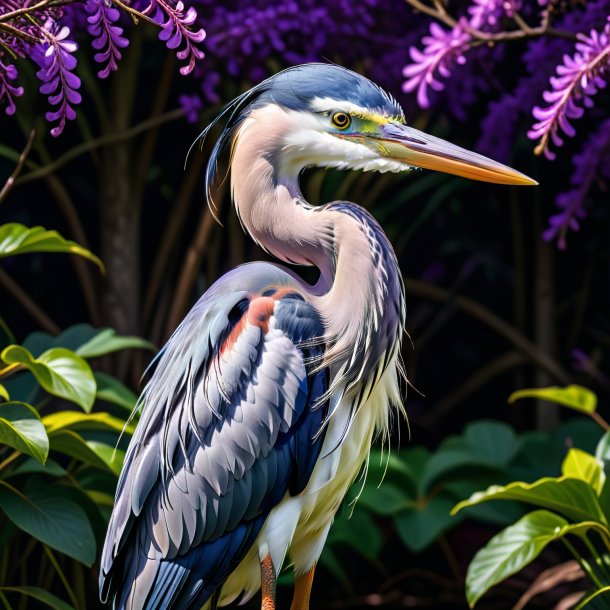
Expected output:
(58, 465)
(573, 508)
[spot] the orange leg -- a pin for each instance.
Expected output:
(268, 584)
(302, 591)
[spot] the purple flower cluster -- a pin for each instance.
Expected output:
(445, 49)
(444, 65)
(107, 36)
(8, 91)
(43, 34)
(57, 63)
(590, 164)
(176, 27)
(578, 79)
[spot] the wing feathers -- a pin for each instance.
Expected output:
(210, 460)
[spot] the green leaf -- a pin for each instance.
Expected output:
(59, 371)
(107, 341)
(21, 429)
(570, 497)
(41, 595)
(419, 527)
(16, 238)
(52, 519)
(95, 454)
(113, 391)
(4, 393)
(573, 396)
(31, 466)
(359, 532)
(84, 421)
(584, 466)
(598, 600)
(515, 547)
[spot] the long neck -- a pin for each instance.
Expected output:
(359, 277)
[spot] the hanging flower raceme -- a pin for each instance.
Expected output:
(591, 165)
(9, 91)
(43, 33)
(578, 79)
(444, 49)
(57, 64)
(176, 28)
(107, 37)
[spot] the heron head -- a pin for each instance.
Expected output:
(333, 117)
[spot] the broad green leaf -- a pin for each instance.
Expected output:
(598, 600)
(4, 393)
(573, 396)
(517, 546)
(107, 341)
(74, 445)
(41, 595)
(21, 429)
(420, 526)
(16, 238)
(31, 466)
(84, 421)
(52, 519)
(572, 498)
(59, 371)
(584, 466)
(113, 391)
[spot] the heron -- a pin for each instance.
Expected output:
(263, 405)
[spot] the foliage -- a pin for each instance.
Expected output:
(574, 505)
(58, 466)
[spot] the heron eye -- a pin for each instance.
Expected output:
(341, 120)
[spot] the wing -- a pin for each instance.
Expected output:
(229, 426)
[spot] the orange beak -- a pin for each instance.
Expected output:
(418, 149)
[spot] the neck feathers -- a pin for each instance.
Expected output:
(360, 294)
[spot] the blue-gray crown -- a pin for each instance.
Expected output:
(295, 88)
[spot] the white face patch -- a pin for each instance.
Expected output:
(309, 143)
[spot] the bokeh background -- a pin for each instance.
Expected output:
(507, 288)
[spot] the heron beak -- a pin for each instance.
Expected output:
(418, 149)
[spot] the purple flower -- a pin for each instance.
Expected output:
(57, 62)
(8, 91)
(578, 79)
(192, 106)
(176, 29)
(442, 50)
(592, 161)
(107, 37)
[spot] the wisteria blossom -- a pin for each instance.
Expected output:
(578, 79)
(591, 163)
(107, 35)
(45, 34)
(176, 29)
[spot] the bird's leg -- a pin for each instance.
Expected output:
(302, 590)
(268, 583)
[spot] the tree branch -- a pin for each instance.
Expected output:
(10, 183)
(28, 303)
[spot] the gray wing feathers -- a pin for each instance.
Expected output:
(197, 465)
